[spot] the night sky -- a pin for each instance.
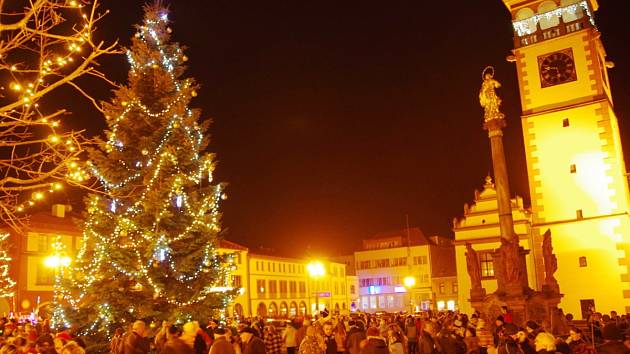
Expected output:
(335, 119)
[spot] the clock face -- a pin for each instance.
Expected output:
(556, 68)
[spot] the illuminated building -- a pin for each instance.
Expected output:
(240, 306)
(30, 248)
(577, 176)
(389, 257)
(480, 227)
(270, 286)
(352, 281)
(282, 287)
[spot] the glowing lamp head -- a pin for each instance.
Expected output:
(316, 269)
(56, 261)
(409, 281)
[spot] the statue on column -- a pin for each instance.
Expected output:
(474, 268)
(551, 263)
(488, 97)
(511, 259)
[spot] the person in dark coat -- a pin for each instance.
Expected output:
(251, 344)
(221, 344)
(174, 344)
(136, 342)
(613, 337)
(427, 343)
(375, 343)
(329, 338)
(45, 344)
(508, 342)
(354, 337)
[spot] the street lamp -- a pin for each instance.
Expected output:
(316, 270)
(58, 261)
(55, 261)
(410, 282)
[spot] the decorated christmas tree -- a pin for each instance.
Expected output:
(7, 285)
(150, 246)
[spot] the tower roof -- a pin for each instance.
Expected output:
(514, 5)
(484, 204)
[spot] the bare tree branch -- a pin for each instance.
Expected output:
(45, 46)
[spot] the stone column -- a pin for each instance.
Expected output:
(495, 133)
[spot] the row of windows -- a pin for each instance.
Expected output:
(381, 281)
(279, 267)
(385, 281)
(442, 288)
(382, 302)
(291, 268)
(383, 244)
(285, 286)
(390, 262)
(419, 260)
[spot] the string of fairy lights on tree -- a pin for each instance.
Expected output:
(59, 261)
(158, 168)
(7, 285)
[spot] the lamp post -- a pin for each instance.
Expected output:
(316, 271)
(58, 261)
(410, 282)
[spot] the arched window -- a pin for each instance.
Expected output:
(262, 309)
(302, 308)
(569, 16)
(548, 22)
(284, 309)
(273, 309)
(293, 309)
(525, 13)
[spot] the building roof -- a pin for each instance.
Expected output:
(44, 221)
(414, 235)
(443, 261)
(231, 245)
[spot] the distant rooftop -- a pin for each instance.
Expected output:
(232, 245)
(397, 238)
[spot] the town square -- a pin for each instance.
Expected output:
(225, 177)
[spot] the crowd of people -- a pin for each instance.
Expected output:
(27, 338)
(443, 332)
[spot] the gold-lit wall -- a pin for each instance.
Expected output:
(577, 177)
(480, 227)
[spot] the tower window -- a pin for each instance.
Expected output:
(486, 265)
(582, 261)
(578, 214)
(565, 122)
(573, 168)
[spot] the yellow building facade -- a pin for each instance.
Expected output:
(239, 278)
(283, 287)
(30, 249)
(268, 286)
(480, 227)
(575, 164)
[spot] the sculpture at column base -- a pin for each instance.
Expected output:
(551, 265)
(477, 294)
(530, 306)
(474, 271)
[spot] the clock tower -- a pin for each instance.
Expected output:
(575, 164)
